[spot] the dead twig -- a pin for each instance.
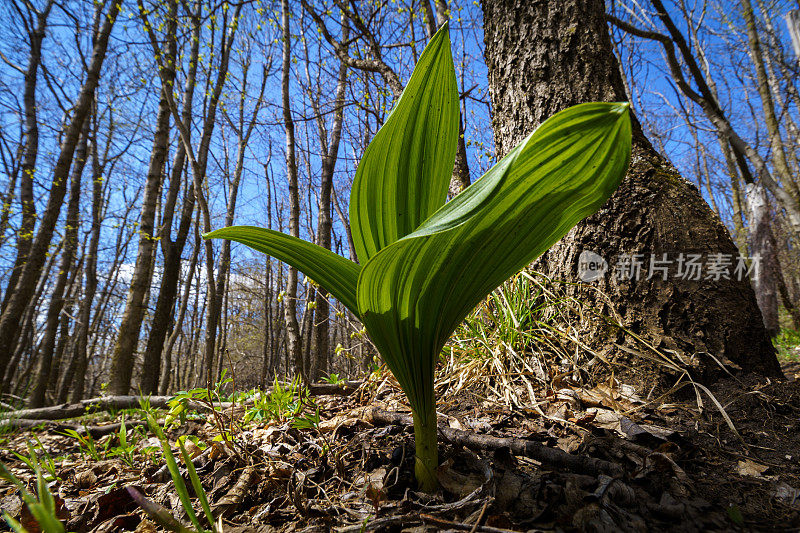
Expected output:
(447, 524)
(410, 519)
(526, 448)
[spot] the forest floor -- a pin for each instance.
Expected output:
(596, 459)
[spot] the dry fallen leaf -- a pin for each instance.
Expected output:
(750, 468)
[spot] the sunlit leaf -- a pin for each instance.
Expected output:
(405, 172)
(337, 274)
(415, 292)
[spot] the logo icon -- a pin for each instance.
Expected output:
(591, 266)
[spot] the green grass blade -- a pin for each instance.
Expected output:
(333, 272)
(13, 524)
(174, 472)
(198, 487)
(414, 293)
(405, 172)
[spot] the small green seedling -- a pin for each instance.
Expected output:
(425, 264)
(86, 442)
(333, 379)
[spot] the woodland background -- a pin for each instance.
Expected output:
(104, 279)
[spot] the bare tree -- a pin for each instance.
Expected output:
(128, 337)
(23, 290)
(31, 150)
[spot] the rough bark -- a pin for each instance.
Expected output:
(25, 287)
(543, 56)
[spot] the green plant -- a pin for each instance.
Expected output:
(787, 342)
(126, 448)
(86, 443)
(47, 463)
(280, 402)
(425, 264)
(42, 506)
(334, 379)
(177, 478)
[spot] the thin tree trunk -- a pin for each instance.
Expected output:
(30, 154)
(166, 369)
(47, 348)
(123, 359)
(269, 354)
(200, 161)
(28, 325)
(710, 106)
(762, 247)
(767, 105)
(293, 341)
(320, 360)
(172, 250)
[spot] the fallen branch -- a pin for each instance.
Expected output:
(94, 431)
(107, 403)
(334, 389)
(522, 447)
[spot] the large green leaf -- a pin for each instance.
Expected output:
(404, 174)
(337, 275)
(413, 293)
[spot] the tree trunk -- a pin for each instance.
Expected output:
(166, 368)
(767, 105)
(762, 247)
(172, 249)
(48, 344)
(543, 56)
(330, 154)
(30, 153)
(460, 179)
(79, 360)
(128, 337)
(293, 341)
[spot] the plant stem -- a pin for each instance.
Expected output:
(427, 456)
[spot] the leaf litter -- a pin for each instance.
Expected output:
(681, 469)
